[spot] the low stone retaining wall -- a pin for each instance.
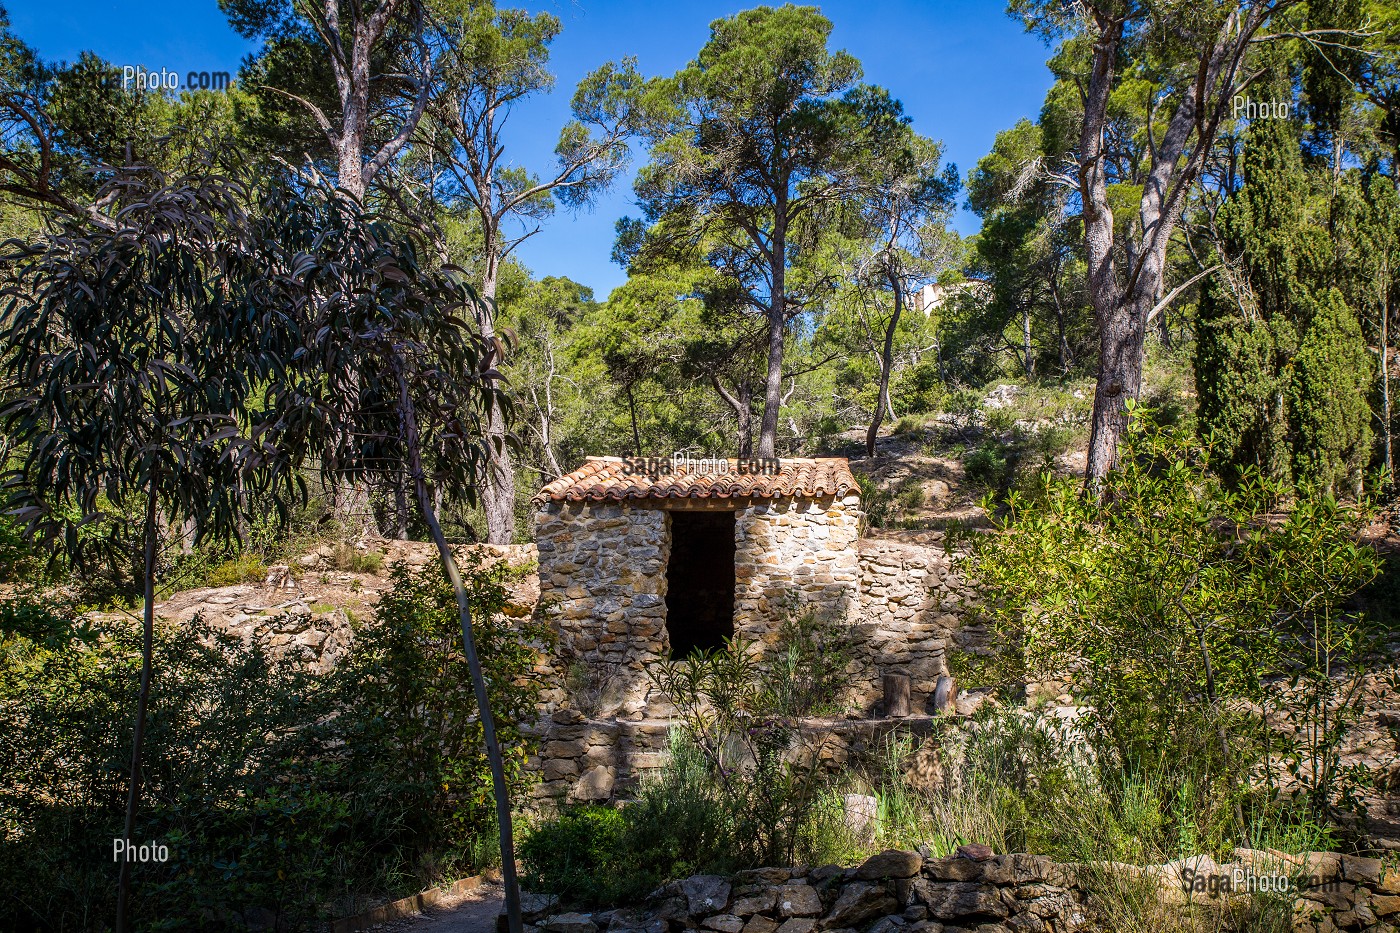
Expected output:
(975, 892)
(598, 760)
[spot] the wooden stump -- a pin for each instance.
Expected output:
(896, 695)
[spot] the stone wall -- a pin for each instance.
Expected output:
(602, 570)
(791, 555)
(977, 892)
(603, 586)
(908, 616)
(581, 760)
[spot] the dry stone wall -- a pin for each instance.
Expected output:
(602, 569)
(907, 620)
(976, 892)
(791, 555)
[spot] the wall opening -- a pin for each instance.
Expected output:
(700, 581)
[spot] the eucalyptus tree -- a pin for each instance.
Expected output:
(389, 378)
(131, 350)
(748, 143)
(492, 60)
(1184, 62)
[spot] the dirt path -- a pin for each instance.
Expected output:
(472, 913)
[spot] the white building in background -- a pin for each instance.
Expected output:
(934, 295)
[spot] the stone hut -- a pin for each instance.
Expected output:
(641, 561)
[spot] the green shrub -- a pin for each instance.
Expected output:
(350, 559)
(731, 795)
(577, 855)
(965, 405)
(908, 424)
(278, 792)
(1183, 605)
(988, 466)
(911, 496)
(877, 503)
(245, 568)
(1000, 420)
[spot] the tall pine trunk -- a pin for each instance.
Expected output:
(1122, 334)
(882, 399)
(777, 324)
(498, 498)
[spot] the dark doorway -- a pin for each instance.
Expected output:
(700, 581)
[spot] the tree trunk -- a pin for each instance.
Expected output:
(882, 399)
(1386, 437)
(1027, 363)
(1122, 307)
(148, 610)
(1121, 339)
(498, 498)
(409, 426)
(400, 527)
(777, 322)
(744, 413)
(636, 433)
(741, 401)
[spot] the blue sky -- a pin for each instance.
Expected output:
(963, 69)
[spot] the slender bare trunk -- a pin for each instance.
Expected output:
(148, 610)
(409, 426)
(1027, 361)
(399, 530)
(882, 400)
(741, 402)
(1385, 396)
(547, 415)
(498, 500)
(1060, 324)
(777, 324)
(636, 433)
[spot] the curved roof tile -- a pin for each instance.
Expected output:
(614, 479)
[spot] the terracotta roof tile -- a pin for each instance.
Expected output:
(614, 479)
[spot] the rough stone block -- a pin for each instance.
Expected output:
(706, 893)
(760, 924)
(858, 903)
(595, 785)
(757, 903)
(959, 900)
(892, 863)
(798, 900)
(570, 923)
(797, 925)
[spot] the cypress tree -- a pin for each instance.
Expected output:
(1281, 369)
(1330, 418)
